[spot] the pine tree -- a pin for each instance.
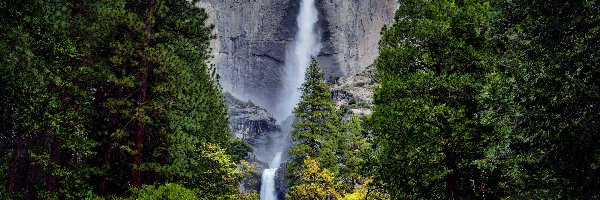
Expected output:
(425, 116)
(106, 96)
(179, 128)
(542, 100)
(315, 130)
(353, 146)
(44, 101)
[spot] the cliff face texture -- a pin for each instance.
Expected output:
(351, 33)
(253, 36)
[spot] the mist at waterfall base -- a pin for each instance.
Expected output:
(306, 45)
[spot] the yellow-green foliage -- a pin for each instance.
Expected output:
(250, 195)
(165, 192)
(314, 183)
(358, 194)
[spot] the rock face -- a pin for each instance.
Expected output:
(253, 36)
(351, 32)
(250, 122)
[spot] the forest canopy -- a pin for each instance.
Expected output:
(474, 99)
(99, 98)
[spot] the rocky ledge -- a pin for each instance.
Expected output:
(250, 122)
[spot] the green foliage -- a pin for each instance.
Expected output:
(43, 100)
(478, 102)
(542, 100)
(316, 126)
(353, 147)
(98, 97)
(477, 99)
(239, 150)
(329, 157)
(168, 191)
(425, 116)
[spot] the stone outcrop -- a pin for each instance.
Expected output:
(253, 36)
(249, 122)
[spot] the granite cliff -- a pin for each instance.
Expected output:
(253, 35)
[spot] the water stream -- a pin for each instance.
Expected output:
(267, 189)
(306, 45)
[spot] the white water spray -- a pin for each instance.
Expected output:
(306, 46)
(298, 58)
(267, 188)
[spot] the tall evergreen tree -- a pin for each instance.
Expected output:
(353, 146)
(315, 130)
(44, 100)
(543, 99)
(425, 117)
(170, 109)
(316, 126)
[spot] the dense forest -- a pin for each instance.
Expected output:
(112, 99)
(475, 99)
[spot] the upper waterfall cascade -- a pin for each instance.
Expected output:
(306, 45)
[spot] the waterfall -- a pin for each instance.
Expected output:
(306, 45)
(298, 58)
(267, 188)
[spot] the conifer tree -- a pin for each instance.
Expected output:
(316, 126)
(315, 130)
(543, 101)
(179, 126)
(100, 97)
(425, 117)
(44, 101)
(353, 146)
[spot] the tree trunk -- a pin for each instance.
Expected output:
(138, 136)
(136, 177)
(106, 160)
(451, 163)
(114, 120)
(14, 166)
(451, 178)
(31, 191)
(51, 179)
